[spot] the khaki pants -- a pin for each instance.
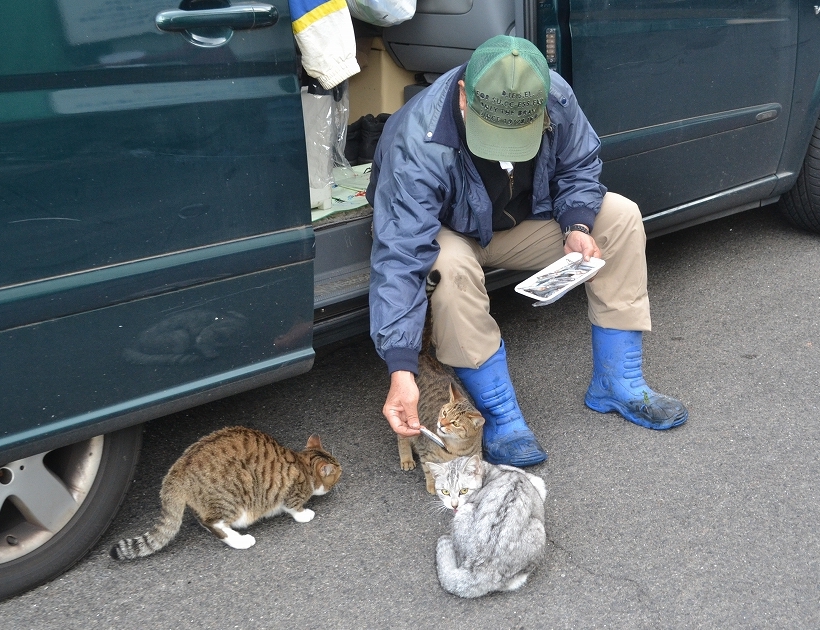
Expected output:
(464, 332)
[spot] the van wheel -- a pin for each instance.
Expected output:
(801, 205)
(54, 506)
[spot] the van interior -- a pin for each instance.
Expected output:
(396, 63)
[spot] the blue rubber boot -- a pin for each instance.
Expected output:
(618, 383)
(507, 438)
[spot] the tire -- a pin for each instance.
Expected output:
(801, 205)
(54, 506)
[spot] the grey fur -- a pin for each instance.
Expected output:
(498, 535)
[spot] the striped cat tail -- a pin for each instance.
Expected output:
(433, 278)
(163, 532)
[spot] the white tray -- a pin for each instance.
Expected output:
(576, 272)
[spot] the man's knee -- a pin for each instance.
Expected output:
(616, 204)
(460, 277)
(618, 215)
(459, 268)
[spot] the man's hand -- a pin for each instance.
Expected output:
(582, 243)
(401, 407)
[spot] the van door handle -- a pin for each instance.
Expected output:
(237, 17)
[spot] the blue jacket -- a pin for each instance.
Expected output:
(423, 177)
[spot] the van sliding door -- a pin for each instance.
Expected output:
(690, 98)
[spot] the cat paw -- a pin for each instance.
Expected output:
(231, 537)
(303, 516)
(408, 465)
(239, 541)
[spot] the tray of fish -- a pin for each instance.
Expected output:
(553, 281)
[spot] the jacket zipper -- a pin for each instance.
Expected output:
(511, 177)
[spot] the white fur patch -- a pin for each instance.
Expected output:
(517, 582)
(539, 484)
(243, 521)
(303, 516)
(233, 538)
(277, 510)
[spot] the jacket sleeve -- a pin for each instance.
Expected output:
(409, 187)
(575, 187)
(324, 33)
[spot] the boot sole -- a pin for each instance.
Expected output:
(609, 405)
(532, 457)
(518, 463)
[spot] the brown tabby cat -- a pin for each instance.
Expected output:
(232, 478)
(443, 407)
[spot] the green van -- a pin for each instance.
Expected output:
(157, 243)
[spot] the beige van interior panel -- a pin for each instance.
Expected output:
(379, 87)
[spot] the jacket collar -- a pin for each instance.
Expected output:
(447, 131)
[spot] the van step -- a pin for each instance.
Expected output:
(341, 287)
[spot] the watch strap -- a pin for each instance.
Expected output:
(576, 227)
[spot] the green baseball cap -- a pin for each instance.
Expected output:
(507, 83)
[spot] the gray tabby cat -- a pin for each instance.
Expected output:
(498, 534)
(232, 478)
(443, 406)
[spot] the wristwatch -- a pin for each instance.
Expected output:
(575, 227)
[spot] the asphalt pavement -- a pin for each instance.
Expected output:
(713, 524)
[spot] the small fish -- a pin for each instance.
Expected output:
(551, 283)
(432, 436)
(568, 268)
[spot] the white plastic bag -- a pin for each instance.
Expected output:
(382, 12)
(325, 115)
(319, 134)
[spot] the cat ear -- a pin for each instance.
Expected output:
(478, 420)
(435, 469)
(473, 465)
(314, 442)
(455, 394)
(327, 470)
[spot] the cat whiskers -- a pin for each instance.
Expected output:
(438, 506)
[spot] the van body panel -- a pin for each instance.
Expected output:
(78, 370)
(155, 231)
(662, 74)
